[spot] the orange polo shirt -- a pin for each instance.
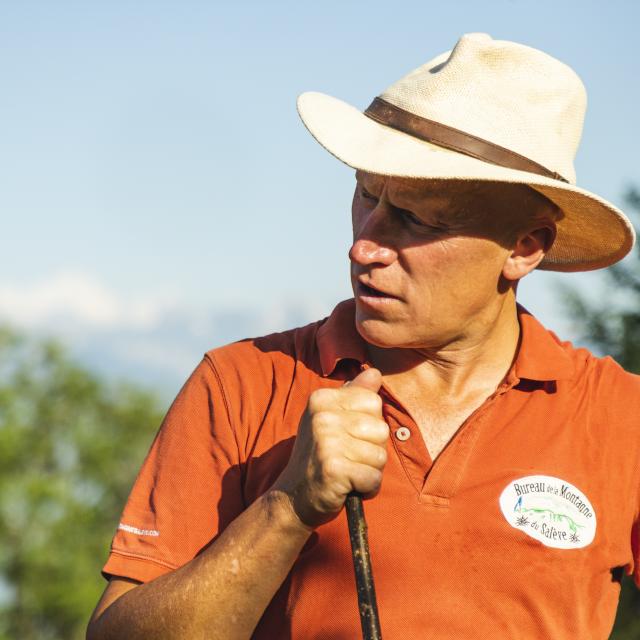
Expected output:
(521, 528)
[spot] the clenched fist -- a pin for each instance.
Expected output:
(340, 447)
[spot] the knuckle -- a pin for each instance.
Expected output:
(375, 401)
(374, 430)
(370, 454)
(381, 431)
(332, 468)
(364, 400)
(319, 399)
(322, 423)
(324, 451)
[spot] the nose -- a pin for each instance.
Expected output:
(372, 237)
(367, 252)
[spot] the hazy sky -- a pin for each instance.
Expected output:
(152, 158)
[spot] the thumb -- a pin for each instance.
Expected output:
(368, 379)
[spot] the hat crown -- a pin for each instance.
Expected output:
(512, 95)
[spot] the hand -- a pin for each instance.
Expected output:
(340, 447)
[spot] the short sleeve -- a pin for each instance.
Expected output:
(188, 489)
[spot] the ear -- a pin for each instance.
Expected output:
(529, 250)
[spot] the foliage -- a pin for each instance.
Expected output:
(613, 328)
(70, 445)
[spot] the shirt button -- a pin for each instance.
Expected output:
(403, 434)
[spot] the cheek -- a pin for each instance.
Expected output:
(456, 266)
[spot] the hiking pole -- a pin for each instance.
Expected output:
(362, 564)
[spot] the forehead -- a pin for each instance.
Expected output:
(466, 207)
(395, 184)
(449, 194)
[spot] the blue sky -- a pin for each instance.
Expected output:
(160, 195)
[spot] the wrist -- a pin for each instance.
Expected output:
(280, 510)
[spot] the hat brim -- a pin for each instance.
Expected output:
(592, 233)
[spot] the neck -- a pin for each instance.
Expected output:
(476, 362)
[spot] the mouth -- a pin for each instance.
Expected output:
(367, 291)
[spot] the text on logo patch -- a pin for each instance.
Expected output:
(551, 510)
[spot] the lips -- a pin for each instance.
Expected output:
(369, 290)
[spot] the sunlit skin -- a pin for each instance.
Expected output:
(449, 254)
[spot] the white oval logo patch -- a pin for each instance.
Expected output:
(550, 510)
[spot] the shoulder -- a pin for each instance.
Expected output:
(619, 387)
(251, 373)
(604, 381)
(602, 371)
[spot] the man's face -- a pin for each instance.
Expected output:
(427, 257)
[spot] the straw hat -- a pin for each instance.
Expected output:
(487, 110)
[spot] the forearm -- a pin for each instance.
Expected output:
(222, 592)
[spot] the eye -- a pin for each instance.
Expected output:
(366, 195)
(411, 218)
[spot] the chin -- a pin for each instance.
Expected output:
(399, 335)
(380, 334)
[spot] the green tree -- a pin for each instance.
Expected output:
(70, 445)
(613, 328)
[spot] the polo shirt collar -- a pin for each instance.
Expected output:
(541, 355)
(338, 338)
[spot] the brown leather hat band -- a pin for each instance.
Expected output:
(444, 136)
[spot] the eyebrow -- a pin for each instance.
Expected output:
(437, 200)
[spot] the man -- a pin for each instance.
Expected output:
(501, 464)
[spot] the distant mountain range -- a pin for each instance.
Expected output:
(154, 342)
(163, 357)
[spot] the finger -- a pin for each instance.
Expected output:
(355, 399)
(364, 426)
(336, 426)
(370, 379)
(371, 494)
(367, 453)
(346, 399)
(359, 399)
(363, 478)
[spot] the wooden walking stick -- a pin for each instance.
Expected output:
(362, 564)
